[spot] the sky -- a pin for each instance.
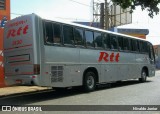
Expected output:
(81, 10)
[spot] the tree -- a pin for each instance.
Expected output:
(150, 5)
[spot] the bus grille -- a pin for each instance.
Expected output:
(57, 74)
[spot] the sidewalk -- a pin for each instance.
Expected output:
(6, 91)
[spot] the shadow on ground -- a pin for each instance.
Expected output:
(34, 97)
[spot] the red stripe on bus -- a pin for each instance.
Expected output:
(19, 47)
(21, 63)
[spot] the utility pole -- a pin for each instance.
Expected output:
(106, 15)
(96, 13)
(101, 14)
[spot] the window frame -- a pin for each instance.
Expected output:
(122, 46)
(83, 37)
(45, 33)
(88, 30)
(66, 44)
(97, 47)
(112, 38)
(128, 44)
(60, 25)
(106, 37)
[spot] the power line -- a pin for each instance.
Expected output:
(80, 3)
(56, 17)
(72, 18)
(17, 14)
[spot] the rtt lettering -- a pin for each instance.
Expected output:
(17, 32)
(104, 56)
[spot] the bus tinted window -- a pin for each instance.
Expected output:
(52, 32)
(57, 33)
(146, 48)
(68, 34)
(97, 39)
(48, 32)
(126, 44)
(143, 46)
(106, 41)
(78, 35)
(114, 42)
(120, 43)
(133, 45)
(89, 38)
(138, 47)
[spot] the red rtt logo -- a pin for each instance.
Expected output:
(106, 57)
(21, 30)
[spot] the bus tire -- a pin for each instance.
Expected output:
(89, 81)
(143, 76)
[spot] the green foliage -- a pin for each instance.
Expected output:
(150, 5)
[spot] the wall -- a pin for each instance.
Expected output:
(4, 15)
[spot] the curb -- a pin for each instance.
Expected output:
(12, 94)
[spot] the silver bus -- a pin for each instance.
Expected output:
(58, 54)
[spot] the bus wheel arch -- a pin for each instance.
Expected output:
(90, 78)
(144, 74)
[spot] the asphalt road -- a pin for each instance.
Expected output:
(125, 93)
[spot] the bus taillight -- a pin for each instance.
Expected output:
(36, 69)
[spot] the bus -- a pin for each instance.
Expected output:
(59, 54)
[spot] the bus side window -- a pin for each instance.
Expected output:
(48, 33)
(143, 47)
(146, 50)
(120, 43)
(89, 38)
(133, 45)
(68, 35)
(106, 41)
(78, 36)
(57, 33)
(114, 44)
(97, 40)
(138, 46)
(126, 44)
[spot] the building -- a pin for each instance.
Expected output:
(4, 16)
(140, 33)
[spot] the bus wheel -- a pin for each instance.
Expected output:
(143, 76)
(89, 82)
